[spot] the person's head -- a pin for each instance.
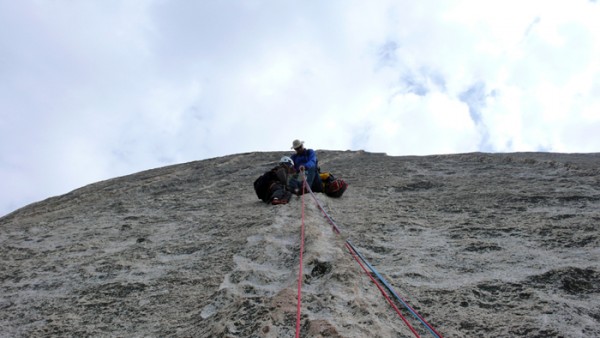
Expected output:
(298, 146)
(286, 161)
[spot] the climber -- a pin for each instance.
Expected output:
(273, 186)
(307, 158)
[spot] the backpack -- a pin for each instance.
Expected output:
(262, 183)
(333, 187)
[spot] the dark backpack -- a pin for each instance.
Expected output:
(332, 186)
(262, 184)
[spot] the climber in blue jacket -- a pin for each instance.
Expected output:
(307, 158)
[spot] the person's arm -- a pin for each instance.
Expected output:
(294, 158)
(282, 175)
(312, 159)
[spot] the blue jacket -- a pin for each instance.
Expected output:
(308, 159)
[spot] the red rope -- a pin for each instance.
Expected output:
(300, 269)
(354, 254)
(421, 317)
(382, 291)
(337, 230)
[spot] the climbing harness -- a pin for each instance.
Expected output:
(357, 255)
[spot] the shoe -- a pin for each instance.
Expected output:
(276, 201)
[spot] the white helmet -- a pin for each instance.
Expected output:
(286, 160)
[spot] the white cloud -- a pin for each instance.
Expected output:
(413, 124)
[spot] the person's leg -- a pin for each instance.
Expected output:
(294, 184)
(317, 184)
(310, 176)
(279, 194)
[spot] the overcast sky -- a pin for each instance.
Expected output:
(91, 90)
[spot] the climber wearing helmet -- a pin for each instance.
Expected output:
(272, 187)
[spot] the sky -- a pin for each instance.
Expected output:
(95, 89)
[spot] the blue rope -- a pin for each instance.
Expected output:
(389, 287)
(383, 280)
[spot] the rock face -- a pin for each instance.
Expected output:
(482, 245)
